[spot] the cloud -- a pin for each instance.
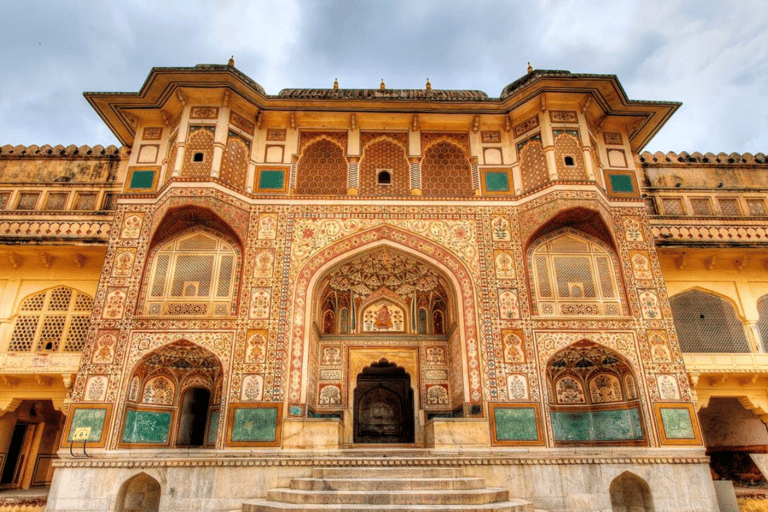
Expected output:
(708, 54)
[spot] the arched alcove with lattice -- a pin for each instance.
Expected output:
(707, 323)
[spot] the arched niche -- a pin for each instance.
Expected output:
(383, 405)
(383, 290)
(630, 493)
(593, 397)
(177, 390)
(706, 322)
(140, 492)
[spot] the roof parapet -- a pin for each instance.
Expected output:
(708, 158)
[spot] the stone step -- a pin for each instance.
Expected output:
(388, 472)
(422, 497)
(506, 506)
(386, 484)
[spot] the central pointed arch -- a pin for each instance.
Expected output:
(455, 271)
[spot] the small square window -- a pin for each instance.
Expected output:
(496, 182)
(384, 178)
(271, 179)
(198, 157)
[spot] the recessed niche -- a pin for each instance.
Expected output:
(384, 178)
(198, 157)
(568, 160)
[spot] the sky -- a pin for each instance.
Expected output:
(708, 54)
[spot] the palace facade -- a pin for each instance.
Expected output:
(258, 294)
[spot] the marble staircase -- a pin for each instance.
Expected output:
(380, 489)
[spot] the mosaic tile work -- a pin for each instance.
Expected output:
(516, 424)
(254, 425)
(213, 427)
(677, 423)
(88, 418)
(146, 427)
(589, 426)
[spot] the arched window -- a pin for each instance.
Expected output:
(762, 322)
(573, 275)
(707, 323)
(192, 275)
(51, 321)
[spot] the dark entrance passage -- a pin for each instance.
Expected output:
(383, 405)
(194, 414)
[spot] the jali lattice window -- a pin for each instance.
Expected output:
(52, 321)
(574, 276)
(192, 275)
(707, 323)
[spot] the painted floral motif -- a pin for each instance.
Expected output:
(605, 388)
(96, 389)
(668, 388)
(159, 390)
(649, 304)
(508, 308)
(264, 263)
(124, 258)
(133, 393)
(114, 306)
(569, 391)
(132, 225)
(633, 230)
(517, 387)
(500, 229)
(252, 388)
(330, 395)
(267, 226)
(435, 355)
(641, 266)
(659, 347)
(261, 299)
(255, 352)
(331, 356)
(505, 265)
(514, 351)
(104, 349)
(437, 395)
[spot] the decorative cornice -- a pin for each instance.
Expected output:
(48, 151)
(684, 159)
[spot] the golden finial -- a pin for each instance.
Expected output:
(335, 84)
(530, 68)
(231, 62)
(382, 85)
(429, 85)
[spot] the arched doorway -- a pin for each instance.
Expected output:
(383, 406)
(141, 492)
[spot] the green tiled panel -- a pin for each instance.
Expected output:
(516, 424)
(271, 180)
(677, 423)
(142, 179)
(610, 425)
(618, 425)
(622, 183)
(496, 182)
(254, 424)
(146, 427)
(572, 426)
(213, 427)
(93, 418)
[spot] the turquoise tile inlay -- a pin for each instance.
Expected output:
(622, 183)
(142, 179)
(572, 426)
(296, 410)
(151, 427)
(677, 423)
(254, 425)
(516, 424)
(607, 425)
(271, 180)
(93, 418)
(496, 182)
(213, 427)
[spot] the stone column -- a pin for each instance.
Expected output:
(353, 175)
(415, 162)
(181, 137)
(220, 141)
(548, 144)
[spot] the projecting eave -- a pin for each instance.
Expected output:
(159, 92)
(603, 98)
